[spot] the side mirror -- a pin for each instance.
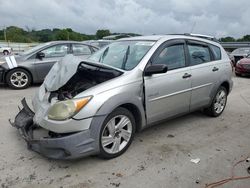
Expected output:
(40, 55)
(155, 69)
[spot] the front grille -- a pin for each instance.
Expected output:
(246, 66)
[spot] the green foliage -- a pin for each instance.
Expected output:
(16, 34)
(246, 38)
(102, 33)
(227, 39)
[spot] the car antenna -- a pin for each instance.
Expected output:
(193, 27)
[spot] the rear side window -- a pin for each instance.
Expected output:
(198, 54)
(79, 49)
(59, 50)
(216, 51)
(172, 56)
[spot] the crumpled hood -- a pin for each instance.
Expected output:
(61, 72)
(64, 69)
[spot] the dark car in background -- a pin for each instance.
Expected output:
(243, 66)
(33, 65)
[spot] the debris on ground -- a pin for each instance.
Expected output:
(170, 136)
(196, 161)
(115, 184)
(119, 175)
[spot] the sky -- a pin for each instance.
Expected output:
(218, 18)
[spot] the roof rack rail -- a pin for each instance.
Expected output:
(208, 37)
(212, 38)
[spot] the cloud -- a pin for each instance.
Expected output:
(212, 17)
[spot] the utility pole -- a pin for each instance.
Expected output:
(5, 35)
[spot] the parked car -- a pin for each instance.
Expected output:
(5, 50)
(238, 54)
(95, 106)
(98, 43)
(33, 65)
(243, 66)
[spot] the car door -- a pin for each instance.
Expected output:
(52, 54)
(168, 94)
(81, 50)
(204, 72)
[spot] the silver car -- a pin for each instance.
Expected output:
(33, 65)
(95, 106)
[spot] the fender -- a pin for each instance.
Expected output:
(133, 97)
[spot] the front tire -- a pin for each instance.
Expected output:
(117, 133)
(5, 52)
(18, 78)
(218, 104)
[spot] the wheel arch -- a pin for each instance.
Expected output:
(136, 114)
(20, 67)
(134, 105)
(226, 85)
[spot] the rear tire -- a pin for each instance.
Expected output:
(218, 104)
(18, 78)
(117, 133)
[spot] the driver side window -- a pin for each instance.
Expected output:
(172, 56)
(56, 51)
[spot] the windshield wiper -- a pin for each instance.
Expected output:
(125, 58)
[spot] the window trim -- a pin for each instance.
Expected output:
(166, 44)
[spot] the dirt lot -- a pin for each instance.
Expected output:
(158, 157)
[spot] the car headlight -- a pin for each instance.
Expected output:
(66, 109)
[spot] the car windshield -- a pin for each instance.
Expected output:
(31, 50)
(123, 54)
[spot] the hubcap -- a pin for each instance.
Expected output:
(220, 101)
(19, 79)
(116, 134)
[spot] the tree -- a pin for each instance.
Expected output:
(227, 39)
(102, 33)
(62, 35)
(246, 38)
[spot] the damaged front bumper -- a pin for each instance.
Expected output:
(54, 145)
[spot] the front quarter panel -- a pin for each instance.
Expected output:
(104, 103)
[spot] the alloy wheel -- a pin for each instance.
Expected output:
(19, 79)
(116, 134)
(220, 101)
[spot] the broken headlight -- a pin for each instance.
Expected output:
(66, 109)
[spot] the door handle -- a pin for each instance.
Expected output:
(215, 69)
(186, 75)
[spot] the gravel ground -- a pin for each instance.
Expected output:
(158, 157)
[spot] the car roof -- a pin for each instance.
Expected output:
(168, 37)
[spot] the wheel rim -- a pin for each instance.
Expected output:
(5, 53)
(19, 79)
(116, 134)
(220, 101)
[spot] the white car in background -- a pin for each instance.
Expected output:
(5, 50)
